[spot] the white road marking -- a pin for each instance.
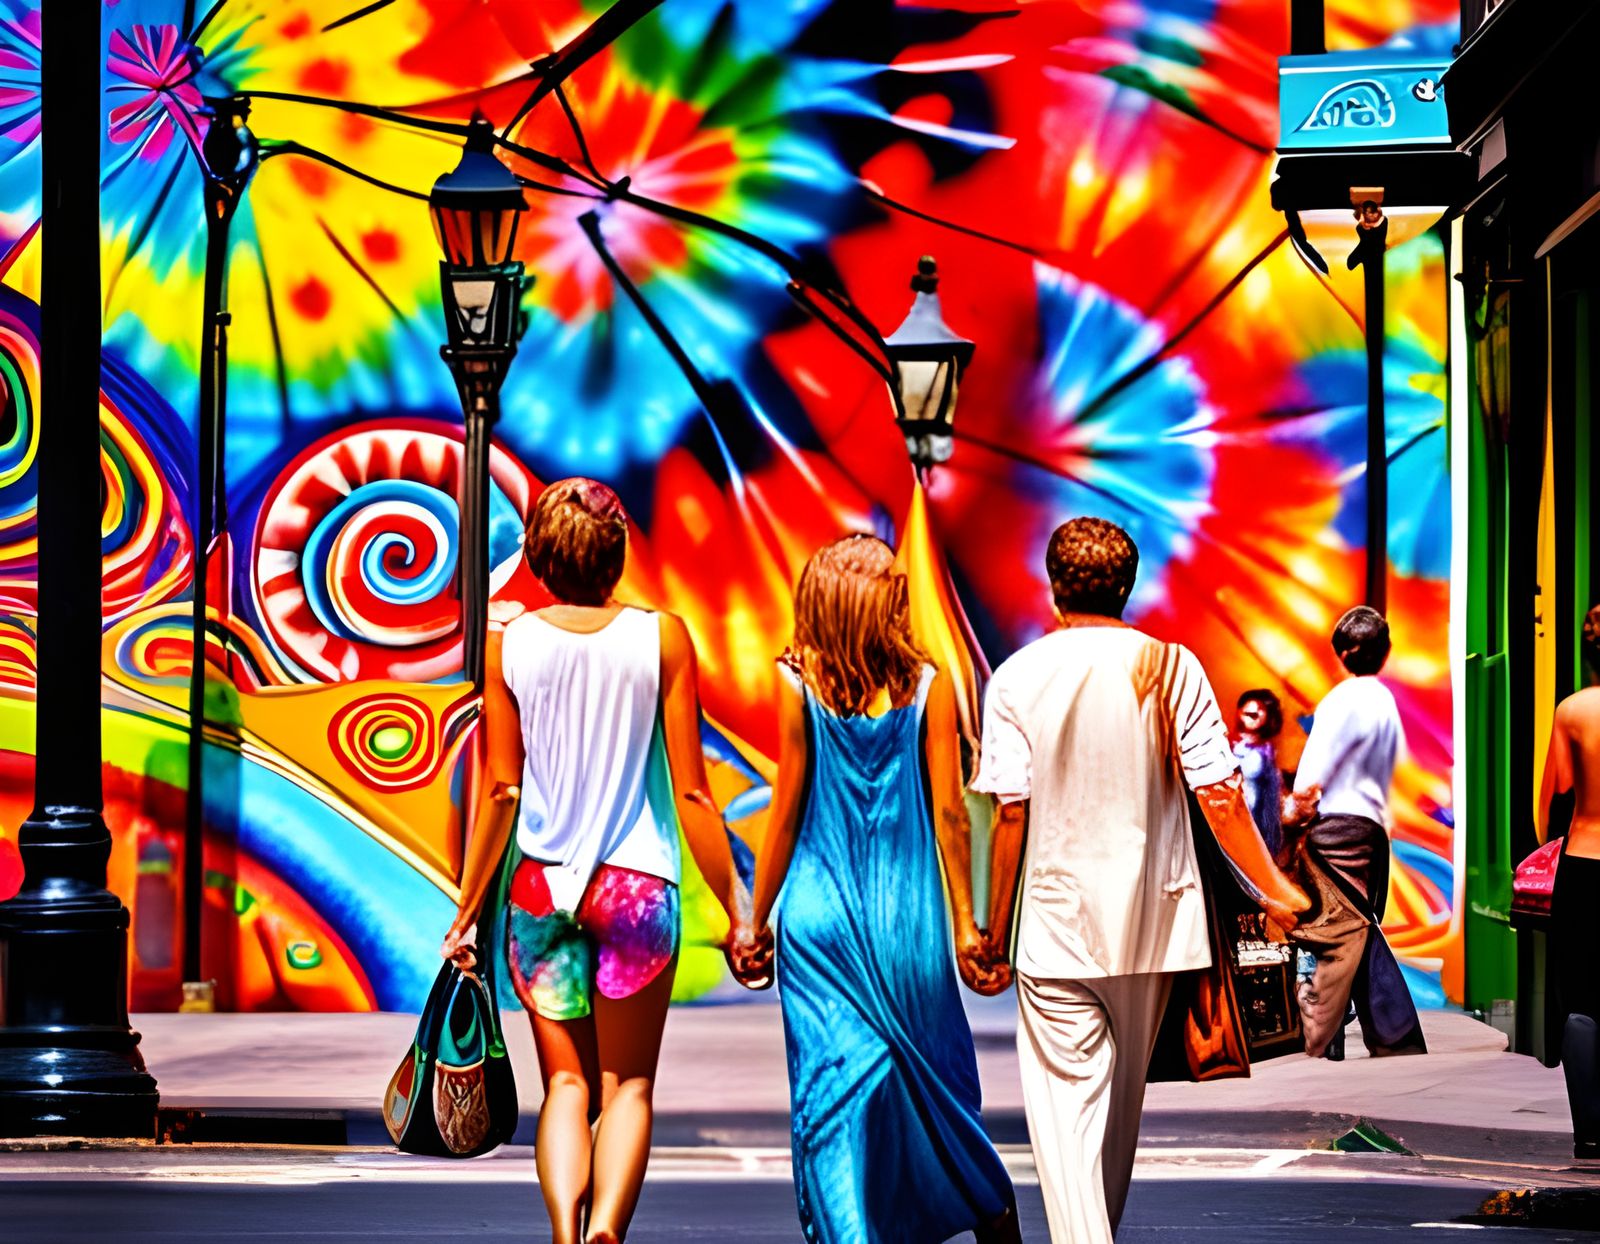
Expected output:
(684, 1165)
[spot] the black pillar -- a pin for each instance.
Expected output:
(69, 1063)
(1377, 594)
(481, 411)
(1307, 28)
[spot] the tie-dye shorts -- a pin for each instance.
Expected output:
(624, 932)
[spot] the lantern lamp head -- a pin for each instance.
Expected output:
(476, 206)
(929, 361)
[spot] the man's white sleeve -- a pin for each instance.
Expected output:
(1203, 746)
(1314, 760)
(1005, 768)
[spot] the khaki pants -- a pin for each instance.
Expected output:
(1084, 1049)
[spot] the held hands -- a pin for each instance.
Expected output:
(1300, 808)
(982, 962)
(751, 953)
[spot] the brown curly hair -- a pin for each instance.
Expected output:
(577, 540)
(852, 627)
(1092, 565)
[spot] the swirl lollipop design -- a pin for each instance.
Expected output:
(354, 573)
(145, 547)
(390, 741)
(19, 657)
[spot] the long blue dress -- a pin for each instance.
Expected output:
(883, 1082)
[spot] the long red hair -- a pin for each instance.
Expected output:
(852, 627)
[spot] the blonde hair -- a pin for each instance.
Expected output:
(852, 627)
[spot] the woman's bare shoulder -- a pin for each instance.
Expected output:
(1581, 706)
(673, 628)
(677, 645)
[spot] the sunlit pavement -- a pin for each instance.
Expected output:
(1230, 1161)
(146, 1193)
(723, 1079)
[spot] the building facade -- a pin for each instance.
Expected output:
(1527, 250)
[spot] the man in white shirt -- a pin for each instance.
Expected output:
(1090, 735)
(1343, 854)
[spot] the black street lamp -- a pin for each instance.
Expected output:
(231, 156)
(476, 208)
(1372, 239)
(69, 1062)
(929, 361)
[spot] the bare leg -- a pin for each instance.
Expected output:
(569, 1068)
(628, 1034)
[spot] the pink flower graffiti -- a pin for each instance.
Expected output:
(159, 67)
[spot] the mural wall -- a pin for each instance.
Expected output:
(1093, 181)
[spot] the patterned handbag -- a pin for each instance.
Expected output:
(453, 1094)
(1532, 886)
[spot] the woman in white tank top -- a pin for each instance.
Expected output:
(591, 707)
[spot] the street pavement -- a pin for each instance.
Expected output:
(1231, 1162)
(225, 1193)
(723, 1081)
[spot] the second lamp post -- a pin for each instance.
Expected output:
(929, 361)
(475, 210)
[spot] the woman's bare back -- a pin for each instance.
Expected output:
(1575, 755)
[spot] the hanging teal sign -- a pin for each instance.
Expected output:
(1353, 100)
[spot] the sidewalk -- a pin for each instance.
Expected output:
(320, 1078)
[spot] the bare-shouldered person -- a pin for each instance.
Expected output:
(1573, 767)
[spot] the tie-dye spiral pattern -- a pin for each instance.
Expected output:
(1093, 180)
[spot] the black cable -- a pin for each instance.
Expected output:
(595, 38)
(364, 11)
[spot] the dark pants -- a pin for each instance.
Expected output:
(1343, 864)
(1575, 943)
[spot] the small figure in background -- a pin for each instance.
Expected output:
(1257, 722)
(1336, 822)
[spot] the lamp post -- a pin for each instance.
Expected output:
(1372, 237)
(231, 157)
(69, 1063)
(476, 208)
(929, 361)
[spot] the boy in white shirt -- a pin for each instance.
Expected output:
(1343, 854)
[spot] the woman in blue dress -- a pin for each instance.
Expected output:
(888, 1143)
